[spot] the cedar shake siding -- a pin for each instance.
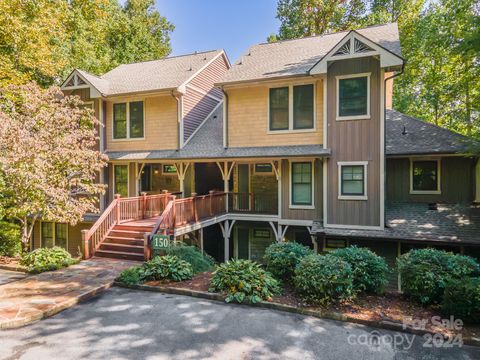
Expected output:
(354, 140)
(457, 181)
(196, 108)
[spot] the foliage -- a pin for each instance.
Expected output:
(243, 281)
(191, 254)
(48, 157)
(43, 40)
(167, 267)
(369, 270)
(131, 276)
(425, 272)
(10, 243)
(323, 279)
(47, 259)
(462, 299)
(281, 258)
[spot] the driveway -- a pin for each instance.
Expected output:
(7, 276)
(126, 324)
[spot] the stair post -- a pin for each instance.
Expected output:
(165, 199)
(85, 244)
(211, 200)
(144, 203)
(146, 248)
(194, 204)
(117, 208)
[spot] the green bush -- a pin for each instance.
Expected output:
(167, 267)
(425, 272)
(131, 276)
(243, 280)
(370, 271)
(10, 242)
(191, 254)
(323, 279)
(47, 259)
(282, 258)
(462, 299)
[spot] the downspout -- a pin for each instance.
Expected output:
(225, 118)
(385, 132)
(179, 121)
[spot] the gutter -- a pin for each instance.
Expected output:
(179, 119)
(225, 118)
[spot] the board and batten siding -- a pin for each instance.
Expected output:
(160, 125)
(248, 121)
(457, 181)
(354, 140)
(302, 214)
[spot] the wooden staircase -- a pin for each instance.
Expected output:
(124, 242)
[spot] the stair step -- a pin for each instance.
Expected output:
(125, 241)
(140, 228)
(114, 237)
(127, 233)
(119, 255)
(134, 249)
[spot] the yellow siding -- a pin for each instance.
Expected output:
(160, 130)
(248, 119)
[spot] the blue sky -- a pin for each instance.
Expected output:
(233, 25)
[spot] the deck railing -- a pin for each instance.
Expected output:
(250, 203)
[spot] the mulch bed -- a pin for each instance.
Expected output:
(392, 307)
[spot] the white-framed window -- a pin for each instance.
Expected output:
(425, 176)
(353, 97)
(120, 179)
(54, 234)
(263, 169)
(302, 184)
(352, 180)
(291, 108)
(128, 120)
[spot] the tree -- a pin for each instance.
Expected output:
(48, 160)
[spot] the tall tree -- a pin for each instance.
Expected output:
(48, 160)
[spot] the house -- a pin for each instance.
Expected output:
(295, 141)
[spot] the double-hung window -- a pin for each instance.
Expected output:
(121, 179)
(291, 108)
(352, 180)
(353, 97)
(128, 120)
(302, 184)
(54, 234)
(425, 177)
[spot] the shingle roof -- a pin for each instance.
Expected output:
(413, 221)
(207, 143)
(420, 137)
(297, 57)
(163, 74)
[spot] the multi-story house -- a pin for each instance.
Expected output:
(295, 141)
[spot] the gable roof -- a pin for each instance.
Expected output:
(296, 57)
(168, 73)
(420, 137)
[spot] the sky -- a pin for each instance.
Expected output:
(232, 25)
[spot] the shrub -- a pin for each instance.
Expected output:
(370, 271)
(462, 299)
(167, 267)
(425, 272)
(323, 279)
(47, 259)
(131, 276)
(282, 258)
(10, 243)
(191, 254)
(243, 280)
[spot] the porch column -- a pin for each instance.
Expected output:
(226, 172)
(138, 176)
(279, 231)
(226, 227)
(477, 182)
(181, 172)
(200, 235)
(277, 168)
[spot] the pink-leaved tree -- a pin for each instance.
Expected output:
(49, 160)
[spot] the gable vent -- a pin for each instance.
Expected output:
(344, 49)
(360, 47)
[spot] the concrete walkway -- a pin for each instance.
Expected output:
(38, 296)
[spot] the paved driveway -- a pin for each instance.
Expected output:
(7, 276)
(124, 324)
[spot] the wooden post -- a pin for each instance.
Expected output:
(210, 193)
(165, 200)
(194, 204)
(117, 208)
(174, 213)
(144, 203)
(201, 239)
(146, 248)
(85, 244)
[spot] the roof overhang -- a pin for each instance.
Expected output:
(355, 45)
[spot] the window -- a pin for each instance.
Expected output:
(146, 178)
(425, 177)
(54, 234)
(279, 109)
(352, 180)
(263, 169)
(121, 180)
(353, 97)
(169, 169)
(302, 180)
(292, 108)
(128, 120)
